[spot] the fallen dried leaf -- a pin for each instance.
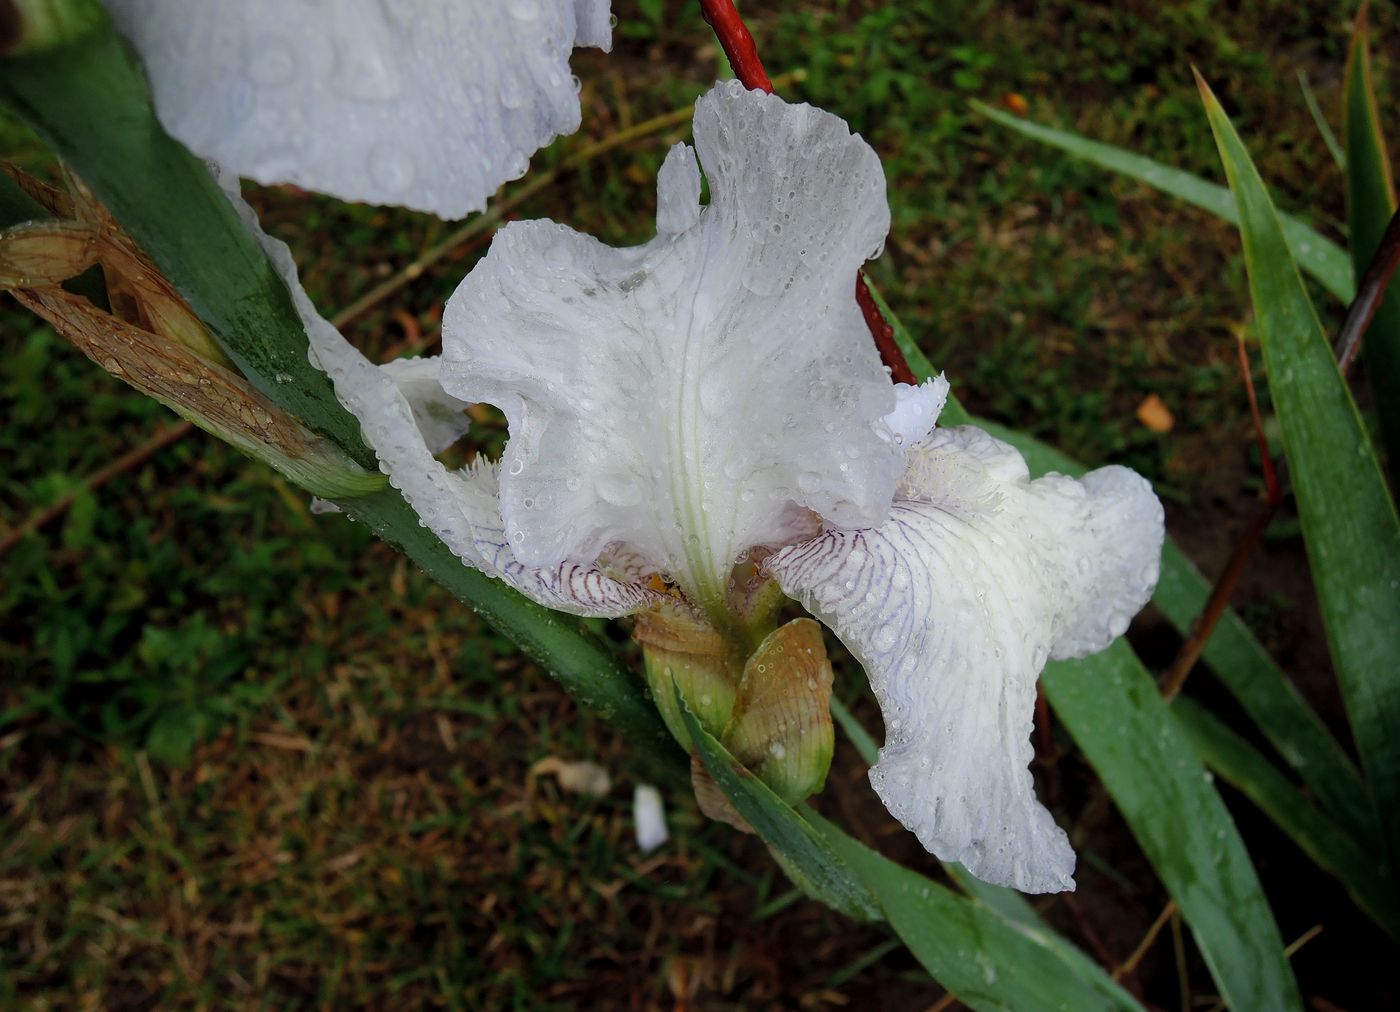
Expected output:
(582, 777)
(1154, 414)
(1016, 103)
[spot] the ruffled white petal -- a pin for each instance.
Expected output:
(441, 418)
(593, 23)
(406, 417)
(678, 191)
(916, 408)
(431, 104)
(690, 396)
(953, 607)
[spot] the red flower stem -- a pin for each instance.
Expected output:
(738, 45)
(883, 334)
(1271, 483)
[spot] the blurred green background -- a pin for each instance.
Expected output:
(249, 757)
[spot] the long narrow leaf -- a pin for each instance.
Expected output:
(1292, 727)
(1318, 255)
(1349, 521)
(987, 960)
(1334, 146)
(89, 100)
(1111, 706)
(1323, 840)
(807, 858)
(1370, 203)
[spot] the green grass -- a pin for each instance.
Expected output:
(248, 757)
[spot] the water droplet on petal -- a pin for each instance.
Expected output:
(391, 168)
(619, 489)
(512, 94)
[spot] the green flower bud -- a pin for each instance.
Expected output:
(781, 724)
(681, 651)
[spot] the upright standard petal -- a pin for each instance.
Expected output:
(953, 606)
(407, 418)
(431, 104)
(694, 396)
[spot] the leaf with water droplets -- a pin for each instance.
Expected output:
(1350, 526)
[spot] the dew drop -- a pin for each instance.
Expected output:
(619, 489)
(272, 64)
(512, 94)
(390, 168)
(516, 164)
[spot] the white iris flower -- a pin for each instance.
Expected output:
(714, 394)
(431, 104)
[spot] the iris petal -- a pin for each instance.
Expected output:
(406, 421)
(430, 104)
(691, 397)
(953, 607)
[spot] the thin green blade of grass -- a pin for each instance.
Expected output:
(1325, 842)
(1350, 527)
(990, 962)
(1329, 138)
(1112, 708)
(1370, 203)
(1318, 255)
(88, 99)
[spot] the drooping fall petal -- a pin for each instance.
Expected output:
(953, 607)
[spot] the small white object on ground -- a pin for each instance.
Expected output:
(650, 817)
